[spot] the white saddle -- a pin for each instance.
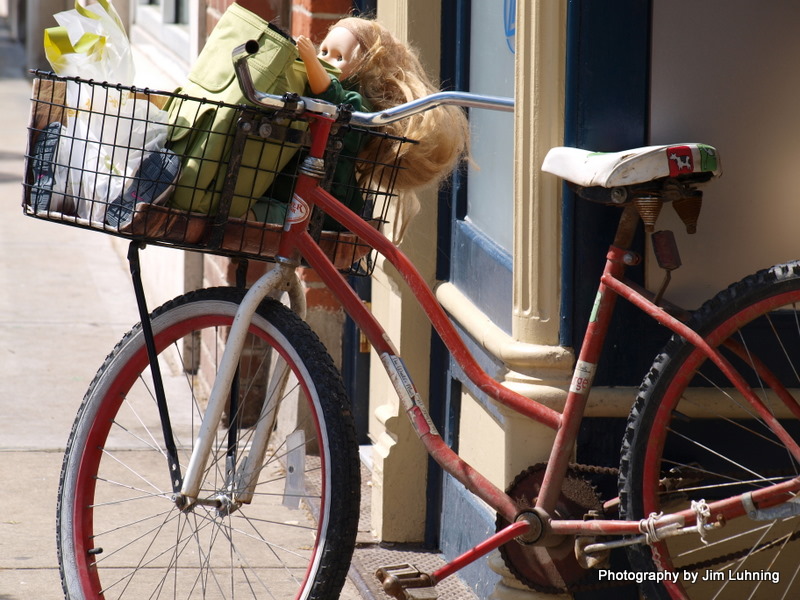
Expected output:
(635, 166)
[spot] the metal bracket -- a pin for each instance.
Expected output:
(155, 370)
(244, 127)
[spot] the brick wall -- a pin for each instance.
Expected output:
(311, 18)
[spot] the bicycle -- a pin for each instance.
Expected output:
(186, 496)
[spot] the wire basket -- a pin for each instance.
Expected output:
(174, 170)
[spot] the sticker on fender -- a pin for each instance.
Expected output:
(582, 378)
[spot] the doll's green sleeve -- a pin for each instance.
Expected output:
(338, 93)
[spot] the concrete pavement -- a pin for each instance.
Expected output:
(64, 302)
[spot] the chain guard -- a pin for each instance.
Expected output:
(578, 497)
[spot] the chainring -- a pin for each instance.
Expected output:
(578, 497)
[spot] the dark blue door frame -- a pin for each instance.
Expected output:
(607, 109)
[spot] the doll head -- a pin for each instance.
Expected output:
(340, 48)
(388, 72)
(380, 62)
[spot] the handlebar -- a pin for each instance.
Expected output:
(402, 111)
(365, 119)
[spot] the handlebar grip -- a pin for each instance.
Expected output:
(239, 57)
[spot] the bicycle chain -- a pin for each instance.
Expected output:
(582, 585)
(579, 586)
(594, 469)
(594, 585)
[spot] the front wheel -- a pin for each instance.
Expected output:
(692, 437)
(120, 531)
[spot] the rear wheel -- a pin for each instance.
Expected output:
(121, 534)
(692, 437)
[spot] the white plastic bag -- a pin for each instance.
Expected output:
(104, 150)
(107, 129)
(90, 43)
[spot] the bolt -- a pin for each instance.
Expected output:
(630, 259)
(619, 195)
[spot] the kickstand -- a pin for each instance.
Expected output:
(155, 370)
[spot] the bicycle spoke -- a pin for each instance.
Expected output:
(715, 453)
(219, 546)
(691, 437)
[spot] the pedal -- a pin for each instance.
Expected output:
(406, 582)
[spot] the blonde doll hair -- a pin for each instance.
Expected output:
(388, 72)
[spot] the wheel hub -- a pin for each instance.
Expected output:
(224, 504)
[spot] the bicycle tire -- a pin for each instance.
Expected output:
(120, 533)
(689, 438)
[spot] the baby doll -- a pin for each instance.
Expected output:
(378, 72)
(339, 49)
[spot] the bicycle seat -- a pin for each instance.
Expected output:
(629, 167)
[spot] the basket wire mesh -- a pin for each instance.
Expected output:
(170, 169)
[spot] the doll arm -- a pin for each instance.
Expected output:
(318, 79)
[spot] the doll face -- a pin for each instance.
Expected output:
(340, 49)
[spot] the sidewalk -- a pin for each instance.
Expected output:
(65, 300)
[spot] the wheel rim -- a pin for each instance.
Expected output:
(677, 554)
(196, 531)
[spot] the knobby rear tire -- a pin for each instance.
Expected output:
(120, 533)
(690, 436)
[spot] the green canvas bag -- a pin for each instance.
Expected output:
(201, 131)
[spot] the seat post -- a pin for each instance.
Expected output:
(627, 227)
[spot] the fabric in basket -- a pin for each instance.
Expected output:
(202, 132)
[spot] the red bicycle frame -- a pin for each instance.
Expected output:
(297, 242)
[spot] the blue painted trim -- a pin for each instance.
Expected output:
(467, 523)
(482, 270)
(365, 7)
(355, 364)
(454, 73)
(607, 103)
(493, 367)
